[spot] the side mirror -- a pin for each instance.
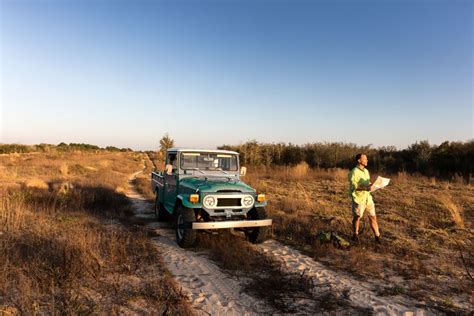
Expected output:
(243, 171)
(168, 169)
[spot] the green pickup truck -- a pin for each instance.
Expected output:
(201, 190)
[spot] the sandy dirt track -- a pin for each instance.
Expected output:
(361, 294)
(212, 291)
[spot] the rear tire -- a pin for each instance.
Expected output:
(185, 235)
(160, 212)
(257, 235)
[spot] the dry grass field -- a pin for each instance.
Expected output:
(68, 245)
(65, 243)
(143, 181)
(427, 228)
(427, 251)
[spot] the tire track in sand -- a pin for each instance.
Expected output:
(359, 293)
(209, 290)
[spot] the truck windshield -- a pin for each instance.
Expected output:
(209, 161)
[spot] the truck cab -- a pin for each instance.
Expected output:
(201, 189)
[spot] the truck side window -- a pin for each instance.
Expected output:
(172, 160)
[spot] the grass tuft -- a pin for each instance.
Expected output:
(454, 210)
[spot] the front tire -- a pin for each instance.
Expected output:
(185, 235)
(257, 235)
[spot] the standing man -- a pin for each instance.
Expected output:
(359, 191)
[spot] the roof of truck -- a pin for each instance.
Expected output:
(182, 149)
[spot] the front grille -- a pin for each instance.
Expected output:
(229, 202)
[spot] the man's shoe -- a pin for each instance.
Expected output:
(355, 238)
(378, 239)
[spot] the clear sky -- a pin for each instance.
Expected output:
(123, 73)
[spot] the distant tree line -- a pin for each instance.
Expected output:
(17, 148)
(446, 160)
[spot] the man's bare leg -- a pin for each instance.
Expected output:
(355, 225)
(374, 225)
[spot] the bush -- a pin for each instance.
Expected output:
(448, 160)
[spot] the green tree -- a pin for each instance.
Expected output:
(166, 142)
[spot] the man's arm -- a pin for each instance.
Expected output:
(355, 184)
(363, 187)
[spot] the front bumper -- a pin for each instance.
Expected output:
(232, 224)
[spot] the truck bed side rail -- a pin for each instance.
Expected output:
(156, 180)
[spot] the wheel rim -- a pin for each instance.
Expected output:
(179, 227)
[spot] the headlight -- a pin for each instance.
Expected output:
(247, 201)
(209, 201)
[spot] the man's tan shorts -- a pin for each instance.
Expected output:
(359, 209)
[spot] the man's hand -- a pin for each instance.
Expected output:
(364, 187)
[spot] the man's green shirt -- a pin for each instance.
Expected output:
(358, 177)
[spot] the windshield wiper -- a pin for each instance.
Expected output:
(220, 169)
(197, 169)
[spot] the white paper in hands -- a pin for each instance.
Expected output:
(379, 183)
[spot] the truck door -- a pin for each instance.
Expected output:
(170, 182)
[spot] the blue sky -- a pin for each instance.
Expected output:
(212, 72)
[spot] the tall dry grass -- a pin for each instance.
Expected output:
(64, 250)
(454, 210)
(142, 182)
(418, 217)
(157, 160)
